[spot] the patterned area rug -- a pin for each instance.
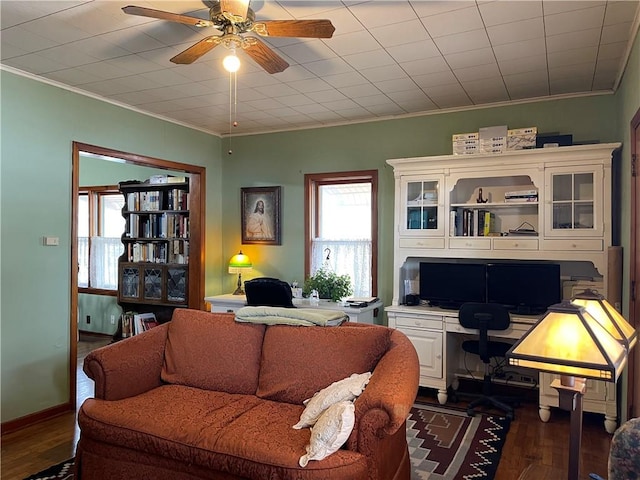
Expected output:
(444, 444)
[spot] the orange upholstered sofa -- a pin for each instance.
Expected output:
(206, 397)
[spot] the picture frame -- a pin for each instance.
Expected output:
(260, 212)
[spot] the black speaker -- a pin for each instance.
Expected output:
(412, 299)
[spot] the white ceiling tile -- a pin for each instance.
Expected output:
(396, 85)
(618, 32)
(414, 51)
(449, 23)
(386, 110)
(276, 90)
(263, 104)
(569, 41)
(18, 12)
(331, 66)
(523, 64)
(132, 40)
(389, 72)
(72, 76)
(516, 31)
(497, 13)
(360, 91)
(434, 79)
(452, 101)
(326, 96)
(10, 51)
(429, 8)
(489, 96)
(570, 84)
(528, 90)
(489, 70)
(582, 70)
(310, 85)
(462, 41)
(552, 7)
(412, 101)
(425, 66)
(25, 40)
(310, 108)
(526, 48)
(344, 104)
(378, 14)
(34, 63)
(304, 9)
(344, 21)
(295, 100)
(574, 20)
(571, 57)
(307, 52)
(470, 58)
(374, 58)
(356, 113)
(620, 11)
(373, 100)
(345, 79)
(538, 77)
(393, 35)
(355, 42)
(341, 80)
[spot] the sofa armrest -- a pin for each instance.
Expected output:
(386, 402)
(129, 367)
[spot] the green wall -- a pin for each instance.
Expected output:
(284, 158)
(39, 122)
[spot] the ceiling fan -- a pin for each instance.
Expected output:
(233, 18)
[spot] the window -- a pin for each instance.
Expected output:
(341, 227)
(100, 228)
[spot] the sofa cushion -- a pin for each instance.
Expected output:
(213, 352)
(295, 359)
(240, 435)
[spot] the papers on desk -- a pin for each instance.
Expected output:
(359, 302)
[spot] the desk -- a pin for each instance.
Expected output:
(437, 336)
(231, 303)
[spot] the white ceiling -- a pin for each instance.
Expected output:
(386, 58)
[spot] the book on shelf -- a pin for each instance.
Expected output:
(143, 322)
(127, 324)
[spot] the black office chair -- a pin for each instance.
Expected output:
(484, 317)
(268, 292)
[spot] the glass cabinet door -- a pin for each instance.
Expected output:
(422, 208)
(574, 202)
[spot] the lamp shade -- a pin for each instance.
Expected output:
(568, 341)
(607, 316)
(239, 263)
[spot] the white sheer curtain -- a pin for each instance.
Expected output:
(352, 257)
(104, 262)
(83, 261)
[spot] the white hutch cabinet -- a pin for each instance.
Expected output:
(568, 221)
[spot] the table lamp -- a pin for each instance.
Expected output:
(569, 341)
(239, 263)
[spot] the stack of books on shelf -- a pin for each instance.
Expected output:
(518, 196)
(469, 222)
(134, 323)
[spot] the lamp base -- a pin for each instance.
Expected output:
(239, 290)
(570, 392)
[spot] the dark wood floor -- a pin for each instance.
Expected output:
(529, 440)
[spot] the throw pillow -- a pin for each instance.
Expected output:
(330, 432)
(346, 389)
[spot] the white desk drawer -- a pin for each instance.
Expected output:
(593, 244)
(406, 242)
(432, 322)
(515, 243)
(470, 243)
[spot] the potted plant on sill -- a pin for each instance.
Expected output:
(329, 285)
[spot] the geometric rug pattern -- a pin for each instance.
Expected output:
(446, 444)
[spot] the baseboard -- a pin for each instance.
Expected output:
(37, 417)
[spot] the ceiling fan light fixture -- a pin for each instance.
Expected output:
(231, 62)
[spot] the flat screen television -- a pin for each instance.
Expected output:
(449, 285)
(524, 288)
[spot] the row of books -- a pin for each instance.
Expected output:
(467, 222)
(173, 199)
(134, 323)
(158, 225)
(174, 251)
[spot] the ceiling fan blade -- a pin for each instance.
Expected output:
(235, 9)
(264, 56)
(295, 28)
(197, 50)
(172, 17)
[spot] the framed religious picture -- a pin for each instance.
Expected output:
(261, 215)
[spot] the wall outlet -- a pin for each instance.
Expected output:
(88, 318)
(113, 319)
